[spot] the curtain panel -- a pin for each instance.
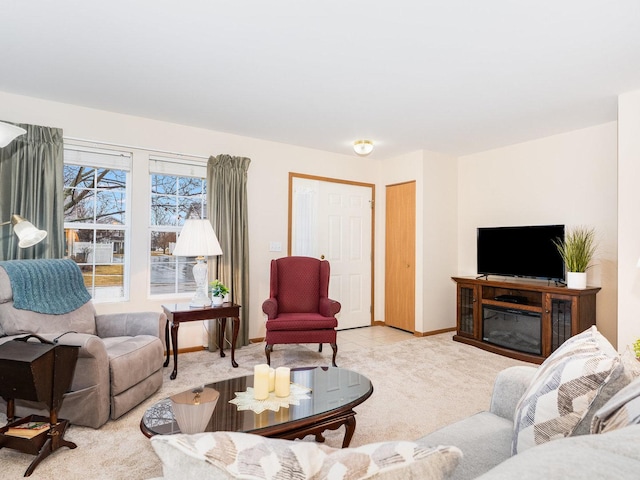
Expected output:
(228, 213)
(31, 185)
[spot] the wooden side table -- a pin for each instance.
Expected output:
(39, 372)
(183, 312)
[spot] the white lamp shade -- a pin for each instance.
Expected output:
(8, 133)
(197, 239)
(27, 233)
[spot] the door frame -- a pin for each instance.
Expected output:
(372, 186)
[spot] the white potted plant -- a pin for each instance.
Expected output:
(218, 291)
(577, 250)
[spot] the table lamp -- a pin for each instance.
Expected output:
(197, 239)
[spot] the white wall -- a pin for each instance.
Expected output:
(439, 223)
(628, 218)
(267, 186)
(566, 179)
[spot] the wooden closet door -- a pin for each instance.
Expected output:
(400, 253)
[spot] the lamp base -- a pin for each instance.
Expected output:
(200, 273)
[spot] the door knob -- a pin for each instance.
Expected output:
(321, 257)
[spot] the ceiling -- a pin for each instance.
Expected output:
(450, 76)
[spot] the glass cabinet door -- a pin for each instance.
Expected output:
(561, 316)
(467, 310)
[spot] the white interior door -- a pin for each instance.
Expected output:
(332, 221)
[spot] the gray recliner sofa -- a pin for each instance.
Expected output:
(574, 416)
(120, 359)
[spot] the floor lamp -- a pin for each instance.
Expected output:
(9, 132)
(197, 239)
(27, 233)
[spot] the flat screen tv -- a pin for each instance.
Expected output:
(526, 251)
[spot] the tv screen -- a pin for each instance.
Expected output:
(526, 251)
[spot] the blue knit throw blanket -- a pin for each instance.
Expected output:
(46, 286)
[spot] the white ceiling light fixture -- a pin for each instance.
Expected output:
(363, 147)
(8, 133)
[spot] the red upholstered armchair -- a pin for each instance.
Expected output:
(298, 309)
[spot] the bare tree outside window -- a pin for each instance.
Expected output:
(95, 215)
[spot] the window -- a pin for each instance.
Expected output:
(178, 192)
(96, 218)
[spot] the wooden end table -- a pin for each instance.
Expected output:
(183, 312)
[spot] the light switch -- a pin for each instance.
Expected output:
(275, 246)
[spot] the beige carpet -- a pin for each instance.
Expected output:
(420, 384)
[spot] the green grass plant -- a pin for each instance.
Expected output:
(578, 248)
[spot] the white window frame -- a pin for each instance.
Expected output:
(178, 167)
(114, 159)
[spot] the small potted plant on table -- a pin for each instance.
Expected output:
(218, 291)
(577, 250)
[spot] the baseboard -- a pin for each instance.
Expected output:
(380, 323)
(434, 332)
(187, 350)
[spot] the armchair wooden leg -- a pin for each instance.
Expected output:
(334, 346)
(267, 350)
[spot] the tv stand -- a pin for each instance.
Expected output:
(550, 313)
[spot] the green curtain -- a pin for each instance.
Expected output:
(227, 211)
(31, 185)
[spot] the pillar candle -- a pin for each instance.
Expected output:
(261, 381)
(283, 380)
(272, 379)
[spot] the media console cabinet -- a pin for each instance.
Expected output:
(521, 320)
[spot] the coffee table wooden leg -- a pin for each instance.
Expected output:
(236, 329)
(350, 427)
(174, 343)
(348, 419)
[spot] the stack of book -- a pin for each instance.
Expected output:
(27, 429)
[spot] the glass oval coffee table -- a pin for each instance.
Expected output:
(334, 393)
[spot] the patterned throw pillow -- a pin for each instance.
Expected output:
(563, 389)
(622, 410)
(243, 455)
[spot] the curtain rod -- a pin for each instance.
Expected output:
(119, 145)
